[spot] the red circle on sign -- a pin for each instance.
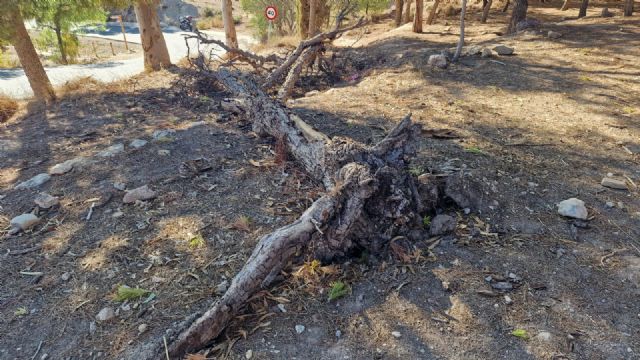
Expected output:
(271, 12)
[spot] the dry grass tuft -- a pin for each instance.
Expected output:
(8, 107)
(83, 84)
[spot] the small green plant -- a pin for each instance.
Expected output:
(416, 170)
(628, 110)
(474, 150)
(208, 12)
(338, 290)
(520, 333)
(426, 221)
(22, 311)
(126, 293)
(196, 242)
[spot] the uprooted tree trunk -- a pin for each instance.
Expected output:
(370, 199)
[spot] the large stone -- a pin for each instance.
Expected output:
(112, 150)
(141, 193)
(34, 181)
(442, 224)
(46, 201)
(503, 50)
(24, 222)
(138, 143)
(614, 183)
(573, 208)
(439, 61)
(554, 34)
(67, 166)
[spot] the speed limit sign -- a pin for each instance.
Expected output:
(271, 13)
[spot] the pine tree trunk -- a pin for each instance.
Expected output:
(313, 20)
(456, 56)
(518, 14)
(399, 4)
(417, 18)
(628, 8)
(432, 13)
(565, 5)
(485, 11)
(156, 54)
(583, 8)
(229, 26)
(407, 12)
(303, 18)
(38, 80)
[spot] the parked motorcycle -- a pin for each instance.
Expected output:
(186, 23)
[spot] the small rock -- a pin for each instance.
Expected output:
(573, 208)
(299, 329)
(554, 35)
(249, 354)
(503, 50)
(396, 334)
(486, 53)
(502, 285)
(34, 181)
(282, 308)
(141, 193)
(610, 204)
(163, 152)
(137, 143)
(222, 287)
(44, 356)
(106, 314)
(158, 279)
(65, 167)
(439, 61)
(338, 334)
(120, 186)
(507, 300)
(164, 135)
(112, 150)
(544, 336)
(614, 183)
(311, 93)
(117, 214)
(65, 276)
(442, 224)
(46, 201)
(142, 328)
(24, 222)
(620, 205)
(92, 327)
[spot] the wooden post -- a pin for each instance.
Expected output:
(95, 51)
(112, 51)
(124, 33)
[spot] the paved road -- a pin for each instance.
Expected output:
(14, 83)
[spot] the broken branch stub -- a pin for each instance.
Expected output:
(370, 199)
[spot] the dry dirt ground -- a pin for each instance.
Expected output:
(525, 131)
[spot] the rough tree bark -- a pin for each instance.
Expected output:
(417, 18)
(398, 18)
(628, 7)
(370, 199)
(229, 26)
(432, 13)
(463, 11)
(583, 8)
(565, 5)
(518, 14)
(302, 16)
(506, 6)
(485, 11)
(313, 21)
(156, 55)
(406, 15)
(37, 77)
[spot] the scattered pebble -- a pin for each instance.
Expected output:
(120, 186)
(249, 354)
(142, 328)
(614, 183)
(141, 193)
(396, 334)
(299, 329)
(34, 182)
(610, 204)
(106, 314)
(503, 50)
(65, 276)
(508, 300)
(92, 327)
(544, 336)
(112, 150)
(65, 167)
(46, 201)
(282, 308)
(554, 34)
(117, 214)
(573, 208)
(442, 224)
(502, 285)
(24, 222)
(163, 152)
(338, 334)
(137, 143)
(163, 135)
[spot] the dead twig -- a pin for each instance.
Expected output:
(611, 254)
(37, 350)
